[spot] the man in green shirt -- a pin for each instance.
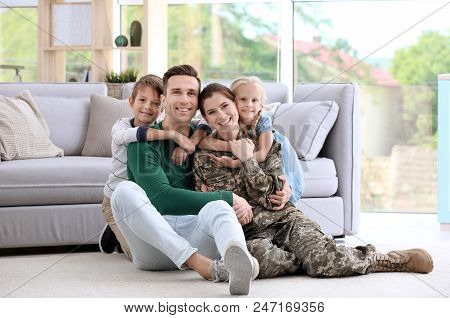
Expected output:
(165, 222)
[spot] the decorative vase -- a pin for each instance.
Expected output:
(135, 33)
(121, 40)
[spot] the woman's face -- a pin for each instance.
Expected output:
(221, 113)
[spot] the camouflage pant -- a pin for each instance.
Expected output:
(295, 243)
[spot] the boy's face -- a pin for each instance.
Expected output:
(146, 106)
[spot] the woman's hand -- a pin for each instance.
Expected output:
(242, 149)
(225, 161)
(243, 210)
(280, 198)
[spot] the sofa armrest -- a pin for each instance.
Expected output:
(342, 144)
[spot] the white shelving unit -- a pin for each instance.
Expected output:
(52, 58)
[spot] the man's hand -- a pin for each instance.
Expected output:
(184, 143)
(280, 198)
(242, 149)
(242, 209)
(225, 161)
(179, 155)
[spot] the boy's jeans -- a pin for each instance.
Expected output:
(165, 242)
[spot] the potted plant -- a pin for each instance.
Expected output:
(115, 81)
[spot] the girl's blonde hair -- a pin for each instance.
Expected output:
(256, 82)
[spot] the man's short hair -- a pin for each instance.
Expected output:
(184, 69)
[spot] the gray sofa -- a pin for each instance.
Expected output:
(57, 201)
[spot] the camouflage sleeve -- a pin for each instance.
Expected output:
(261, 178)
(206, 172)
(197, 167)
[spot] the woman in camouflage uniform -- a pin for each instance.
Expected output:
(283, 241)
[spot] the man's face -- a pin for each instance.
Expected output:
(181, 99)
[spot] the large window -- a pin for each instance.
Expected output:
(392, 49)
(77, 65)
(18, 43)
(395, 58)
(225, 40)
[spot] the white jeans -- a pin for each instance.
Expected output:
(165, 242)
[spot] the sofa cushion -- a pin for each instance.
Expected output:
(306, 125)
(24, 133)
(104, 112)
(67, 119)
(66, 180)
(320, 178)
(68, 125)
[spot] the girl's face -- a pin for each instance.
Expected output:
(248, 102)
(221, 113)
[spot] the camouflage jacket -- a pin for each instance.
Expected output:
(253, 181)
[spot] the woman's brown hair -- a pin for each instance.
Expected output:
(208, 92)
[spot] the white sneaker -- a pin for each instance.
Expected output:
(241, 266)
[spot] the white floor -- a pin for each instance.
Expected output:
(98, 275)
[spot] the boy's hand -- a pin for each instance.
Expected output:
(184, 143)
(225, 161)
(179, 156)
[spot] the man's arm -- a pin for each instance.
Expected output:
(144, 168)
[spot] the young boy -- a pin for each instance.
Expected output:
(146, 105)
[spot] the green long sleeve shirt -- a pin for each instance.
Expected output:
(170, 188)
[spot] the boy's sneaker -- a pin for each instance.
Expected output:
(107, 241)
(242, 268)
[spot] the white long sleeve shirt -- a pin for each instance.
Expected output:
(123, 133)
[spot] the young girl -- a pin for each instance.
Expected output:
(250, 96)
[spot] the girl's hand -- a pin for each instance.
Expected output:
(242, 149)
(225, 161)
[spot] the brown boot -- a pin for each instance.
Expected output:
(415, 260)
